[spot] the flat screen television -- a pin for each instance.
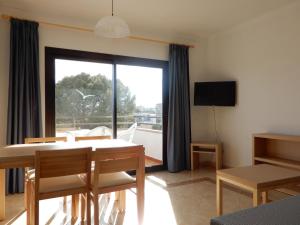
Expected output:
(219, 93)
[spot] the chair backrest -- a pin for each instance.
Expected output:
(58, 163)
(45, 140)
(128, 134)
(112, 160)
(89, 138)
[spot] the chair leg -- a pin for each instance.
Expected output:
(88, 208)
(27, 197)
(65, 204)
(25, 194)
(83, 206)
(75, 208)
(117, 195)
(31, 212)
(96, 209)
(36, 212)
(26, 180)
(122, 201)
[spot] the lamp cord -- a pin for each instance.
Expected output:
(112, 7)
(215, 124)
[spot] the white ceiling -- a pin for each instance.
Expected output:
(194, 18)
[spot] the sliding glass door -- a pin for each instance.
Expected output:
(83, 98)
(139, 109)
(92, 94)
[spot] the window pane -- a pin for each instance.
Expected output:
(83, 98)
(139, 109)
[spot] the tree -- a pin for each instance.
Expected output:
(87, 98)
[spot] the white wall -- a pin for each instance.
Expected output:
(85, 41)
(263, 56)
(199, 115)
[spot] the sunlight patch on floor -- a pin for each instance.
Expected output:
(158, 208)
(157, 180)
(158, 205)
(51, 213)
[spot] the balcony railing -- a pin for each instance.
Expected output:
(125, 121)
(148, 132)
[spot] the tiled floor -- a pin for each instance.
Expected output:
(186, 198)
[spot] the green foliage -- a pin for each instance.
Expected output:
(86, 99)
(157, 127)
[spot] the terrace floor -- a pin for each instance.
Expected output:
(149, 161)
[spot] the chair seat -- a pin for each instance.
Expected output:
(54, 184)
(113, 179)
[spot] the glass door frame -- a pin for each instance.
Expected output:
(58, 53)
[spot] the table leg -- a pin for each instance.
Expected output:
(265, 197)
(219, 157)
(75, 206)
(2, 194)
(256, 198)
(192, 158)
(196, 160)
(219, 196)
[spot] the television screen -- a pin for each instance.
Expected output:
(220, 93)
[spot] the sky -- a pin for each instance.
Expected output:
(144, 82)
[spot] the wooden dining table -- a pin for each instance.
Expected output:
(23, 155)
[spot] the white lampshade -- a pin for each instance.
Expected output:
(112, 27)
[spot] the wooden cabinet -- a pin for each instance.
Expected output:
(208, 148)
(280, 150)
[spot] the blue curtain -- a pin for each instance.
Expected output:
(179, 125)
(24, 107)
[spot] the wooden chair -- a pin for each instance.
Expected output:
(109, 176)
(45, 140)
(30, 172)
(57, 174)
(89, 138)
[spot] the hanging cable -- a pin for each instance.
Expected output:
(215, 124)
(112, 7)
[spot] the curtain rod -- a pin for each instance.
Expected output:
(64, 26)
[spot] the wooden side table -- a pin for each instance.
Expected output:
(198, 148)
(258, 179)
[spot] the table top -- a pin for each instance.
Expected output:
(22, 155)
(206, 144)
(261, 175)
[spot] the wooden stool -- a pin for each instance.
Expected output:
(215, 148)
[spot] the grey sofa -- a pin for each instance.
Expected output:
(282, 212)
